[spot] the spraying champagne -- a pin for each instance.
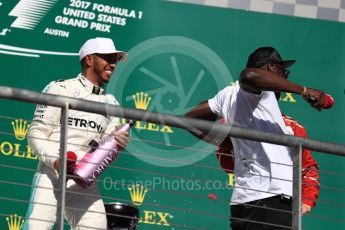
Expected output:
(98, 158)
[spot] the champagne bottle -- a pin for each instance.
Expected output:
(98, 158)
(329, 101)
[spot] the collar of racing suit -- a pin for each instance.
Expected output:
(92, 88)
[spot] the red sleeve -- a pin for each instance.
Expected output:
(226, 159)
(310, 173)
(225, 154)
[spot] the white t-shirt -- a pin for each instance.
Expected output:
(261, 169)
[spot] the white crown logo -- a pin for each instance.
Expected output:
(141, 100)
(138, 193)
(15, 222)
(20, 129)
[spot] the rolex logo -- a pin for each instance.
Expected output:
(20, 129)
(138, 193)
(141, 100)
(15, 222)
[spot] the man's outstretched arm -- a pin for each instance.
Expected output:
(255, 80)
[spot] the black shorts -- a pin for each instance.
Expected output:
(269, 213)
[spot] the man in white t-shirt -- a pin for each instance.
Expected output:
(261, 198)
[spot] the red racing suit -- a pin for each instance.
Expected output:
(310, 174)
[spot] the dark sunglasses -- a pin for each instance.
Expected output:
(286, 72)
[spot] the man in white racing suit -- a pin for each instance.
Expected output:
(84, 207)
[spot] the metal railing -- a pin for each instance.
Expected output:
(195, 125)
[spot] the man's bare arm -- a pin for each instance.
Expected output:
(202, 111)
(255, 80)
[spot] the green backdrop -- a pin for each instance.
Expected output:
(179, 55)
